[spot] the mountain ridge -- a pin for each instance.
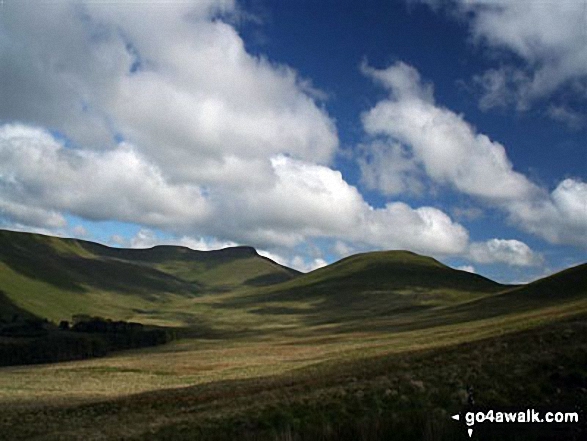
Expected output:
(56, 278)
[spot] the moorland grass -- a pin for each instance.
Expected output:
(377, 346)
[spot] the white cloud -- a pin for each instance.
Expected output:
(310, 200)
(304, 264)
(306, 200)
(467, 268)
(21, 213)
(548, 36)
(560, 218)
(425, 230)
(79, 231)
(218, 146)
(497, 86)
(147, 238)
(450, 151)
(41, 178)
(442, 142)
(301, 264)
(36, 230)
(169, 78)
(144, 238)
(511, 252)
(573, 119)
(348, 216)
(117, 240)
(389, 168)
(343, 249)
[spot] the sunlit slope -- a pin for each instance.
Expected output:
(235, 290)
(565, 287)
(392, 270)
(55, 278)
(525, 344)
(369, 285)
(8, 310)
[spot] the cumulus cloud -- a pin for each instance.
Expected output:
(310, 200)
(573, 119)
(117, 240)
(170, 78)
(304, 264)
(80, 231)
(441, 142)
(426, 230)
(306, 200)
(40, 178)
(343, 249)
(156, 115)
(560, 218)
(548, 37)
(451, 152)
(390, 168)
(147, 238)
(511, 252)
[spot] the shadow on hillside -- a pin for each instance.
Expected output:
(382, 397)
(9, 311)
(39, 261)
(398, 317)
(406, 300)
(268, 279)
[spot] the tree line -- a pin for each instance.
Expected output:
(33, 340)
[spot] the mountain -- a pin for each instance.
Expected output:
(379, 345)
(387, 271)
(370, 285)
(236, 289)
(564, 287)
(56, 278)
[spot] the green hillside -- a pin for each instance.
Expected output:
(235, 290)
(566, 286)
(372, 286)
(393, 270)
(377, 346)
(56, 278)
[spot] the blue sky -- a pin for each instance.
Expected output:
(310, 130)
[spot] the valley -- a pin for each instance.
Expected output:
(376, 344)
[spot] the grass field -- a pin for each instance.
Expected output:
(377, 346)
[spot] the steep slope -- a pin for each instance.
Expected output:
(55, 278)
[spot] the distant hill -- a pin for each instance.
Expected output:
(367, 286)
(236, 289)
(56, 278)
(565, 286)
(379, 345)
(390, 271)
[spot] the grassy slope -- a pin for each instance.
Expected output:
(381, 287)
(394, 392)
(235, 289)
(231, 288)
(394, 315)
(55, 278)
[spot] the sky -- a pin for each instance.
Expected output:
(309, 130)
